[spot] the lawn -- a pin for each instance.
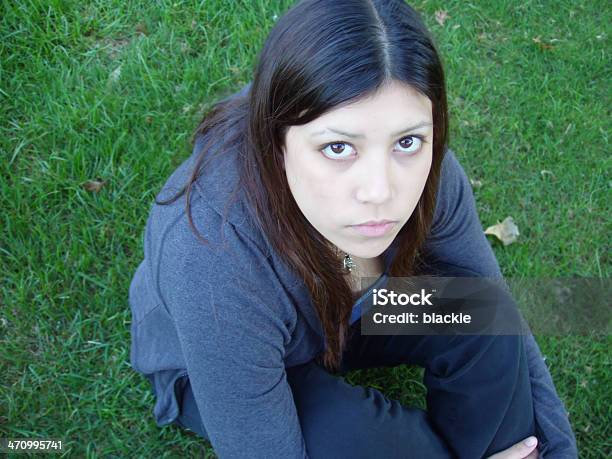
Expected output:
(111, 92)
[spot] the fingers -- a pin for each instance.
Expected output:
(525, 449)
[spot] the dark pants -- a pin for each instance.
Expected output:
(478, 399)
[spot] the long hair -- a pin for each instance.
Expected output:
(318, 55)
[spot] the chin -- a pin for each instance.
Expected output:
(373, 251)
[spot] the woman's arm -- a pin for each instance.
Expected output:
(225, 303)
(457, 244)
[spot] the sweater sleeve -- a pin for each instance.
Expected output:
(231, 321)
(457, 244)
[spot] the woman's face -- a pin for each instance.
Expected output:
(373, 167)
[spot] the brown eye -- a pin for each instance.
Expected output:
(337, 150)
(409, 143)
(406, 142)
(337, 147)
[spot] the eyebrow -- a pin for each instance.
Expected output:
(361, 136)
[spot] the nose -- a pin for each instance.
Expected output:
(374, 180)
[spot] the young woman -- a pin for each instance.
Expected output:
(246, 307)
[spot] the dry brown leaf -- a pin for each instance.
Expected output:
(94, 185)
(441, 16)
(506, 231)
(538, 41)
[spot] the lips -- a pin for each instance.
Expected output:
(374, 222)
(375, 229)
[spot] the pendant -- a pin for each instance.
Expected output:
(348, 263)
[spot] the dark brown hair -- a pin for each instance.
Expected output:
(320, 54)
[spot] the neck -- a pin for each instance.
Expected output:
(364, 267)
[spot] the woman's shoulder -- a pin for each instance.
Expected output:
(217, 180)
(218, 212)
(233, 272)
(453, 189)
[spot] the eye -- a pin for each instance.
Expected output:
(336, 150)
(411, 143)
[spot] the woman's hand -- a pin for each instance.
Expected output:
(525, 449)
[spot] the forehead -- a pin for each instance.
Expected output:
(392, 107)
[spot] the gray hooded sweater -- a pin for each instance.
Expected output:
(232, 316)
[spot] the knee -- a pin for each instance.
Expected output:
(476, 354)
(342, 420)
(340, 426)
(332, 413)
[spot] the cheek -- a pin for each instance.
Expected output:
(421, 169)
(296, 175)
(318, 200)
(413, 182)
(313, 194)
(309, 177)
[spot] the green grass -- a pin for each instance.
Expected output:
(517, 107)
